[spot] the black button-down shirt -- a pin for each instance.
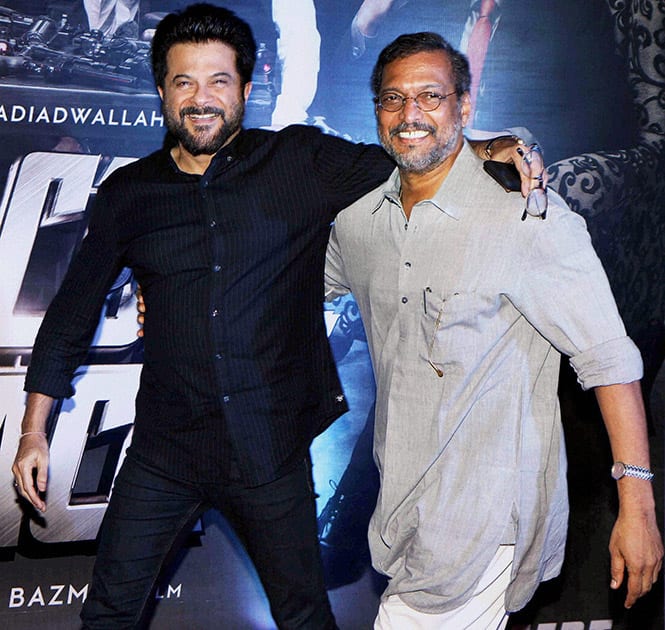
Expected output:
(230, 263)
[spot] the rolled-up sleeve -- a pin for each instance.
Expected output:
(566, 296)
(609, 363)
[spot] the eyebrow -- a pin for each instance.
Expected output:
(422, 88)
(184, 75)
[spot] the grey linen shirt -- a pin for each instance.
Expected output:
(467, 309)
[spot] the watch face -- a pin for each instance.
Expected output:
(618, 470)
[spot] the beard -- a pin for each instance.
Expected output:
(201, 141)
(418, 161)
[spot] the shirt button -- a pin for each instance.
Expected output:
(405, 300)
(214, 312)
(213, 223)
(407, 264)
(216, 268)
(204, 183)
(218, 356)
(226, 398)
(229, 158)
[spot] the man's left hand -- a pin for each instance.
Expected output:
(529, 163)
(635, 547)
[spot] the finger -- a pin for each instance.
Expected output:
(635, 589)
(530, 169)
(536, 193)
(526, 182)
(26, 488)
(28, 485)
(532, 163)
(617, 569)
(41, 478)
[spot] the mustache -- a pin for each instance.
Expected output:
(411, 127)
(202, 111)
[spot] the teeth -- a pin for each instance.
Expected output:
(202, 116)
(418, 133)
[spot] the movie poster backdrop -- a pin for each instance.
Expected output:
(77, 101)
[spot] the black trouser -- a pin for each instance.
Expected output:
(150, 514)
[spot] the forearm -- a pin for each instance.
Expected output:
(636, 546)
(623, 412)
(37, 410)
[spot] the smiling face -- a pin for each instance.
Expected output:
(203, 99)
(421, 141)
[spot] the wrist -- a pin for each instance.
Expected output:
(27, 433)
(621, 469)
(493, 145)
(635, 496)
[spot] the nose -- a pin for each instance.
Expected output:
(410, 110)
(202, 94)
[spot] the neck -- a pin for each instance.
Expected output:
(195, 164)
(416, 187)
(188, 163)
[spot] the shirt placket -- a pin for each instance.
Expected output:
(410, 293)
(216, 312)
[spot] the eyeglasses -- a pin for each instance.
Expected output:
(534, 168)
(425, 101)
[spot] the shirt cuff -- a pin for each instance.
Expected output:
(610, 363)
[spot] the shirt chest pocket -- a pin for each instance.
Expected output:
(458, 326)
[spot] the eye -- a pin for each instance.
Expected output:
(429, 98)
(391, 98)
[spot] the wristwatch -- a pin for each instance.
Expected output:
(619, 469)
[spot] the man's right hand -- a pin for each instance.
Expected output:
(140, 307)
(30, 466)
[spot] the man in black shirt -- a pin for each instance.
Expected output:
(226, 232)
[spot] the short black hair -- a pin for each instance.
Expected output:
(200, 23)
(413, 43)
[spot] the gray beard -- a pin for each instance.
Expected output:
(424, 163)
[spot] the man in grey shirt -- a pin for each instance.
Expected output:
(467, 308)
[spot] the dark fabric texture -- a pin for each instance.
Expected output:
(231, 268)
(150, 513)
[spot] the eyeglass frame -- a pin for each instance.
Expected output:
(441, 98)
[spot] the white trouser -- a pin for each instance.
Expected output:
(484, 611)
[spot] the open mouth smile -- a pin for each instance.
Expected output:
(413, 134)
(202, 116)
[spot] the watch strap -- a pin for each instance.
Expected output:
(621, 469)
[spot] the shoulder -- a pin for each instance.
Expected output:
(314, 139)
(150, 167)
(254, 137)
(562, 236)
(295, 142)
(364, 209)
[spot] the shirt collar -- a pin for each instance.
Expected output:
(236, 149)
(450, 198)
